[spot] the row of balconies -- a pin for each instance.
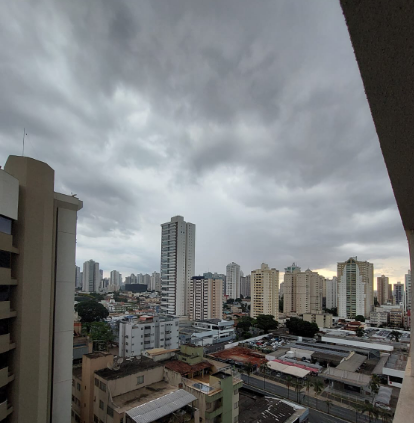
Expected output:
(6, 277)
(5, 310)
(5, 410)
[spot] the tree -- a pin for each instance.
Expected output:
(100, 332)
(318, 388)
(245, 323)
(266, 322)
(263, 368)
(289, 380)
(300, 327)
(357, 409)
(360, 318)
(308, 384)
(333, 311)
(374, 384)
(395, 335)
(359, 332)
(91, 311)
(249, 369)
(328, 404)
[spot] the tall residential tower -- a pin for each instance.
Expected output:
(355, 288)
(233, 280)
(177, 265)
(264, 285)
(37, 262)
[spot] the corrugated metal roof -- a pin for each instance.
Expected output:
(380, 365)
(290, 370)
(352, 363)
(384, 395)
(351, 378)
(161, 407)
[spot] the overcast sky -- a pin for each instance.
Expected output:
(247, 118)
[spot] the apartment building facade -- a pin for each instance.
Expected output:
(233, 280)
(37, 262)
(302, 291)
(91, 277)
(264, 291)
(355, 288)
(146, 333)
(383, 290)
(331, 293)
(177, 265)
(206, 298)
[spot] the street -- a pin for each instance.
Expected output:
(318, 408)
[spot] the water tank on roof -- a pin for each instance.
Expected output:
(290, 354)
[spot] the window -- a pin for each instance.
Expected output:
(5, 259)
(101, 405)
(97, 382)
(236, 404)
(78, 387)
(5, 225)
(236, 391)
(77, 418)
(73, 398)
(140, 380)
(95, 419)
(73, 382)
(110, 411)
(102, 386)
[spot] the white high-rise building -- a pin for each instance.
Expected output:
(116, 278)
(155, 284)
(78, 280)
(264, 292)
(407, 296)
(177, 265)
(233, 280)
(331, 292)
(91, 279)
(245, 286)
(355, 288)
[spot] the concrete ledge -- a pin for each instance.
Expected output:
(405, 405)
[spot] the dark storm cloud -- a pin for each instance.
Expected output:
(249, 119)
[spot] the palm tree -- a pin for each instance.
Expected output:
(318, 387)
(328, 404)
(263, 368)
(289, 380)
(374, 384)
(308, 384)
(298, 388)
(249, 369)
(357, 409)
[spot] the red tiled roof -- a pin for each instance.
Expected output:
(184, 368)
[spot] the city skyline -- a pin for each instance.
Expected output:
(262, 117)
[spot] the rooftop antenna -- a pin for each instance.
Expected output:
(24, 134)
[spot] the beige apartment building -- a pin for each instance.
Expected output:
(264, 286)
(383, 290)
(37, 262)
(323, 320)
(302, 291)
(205, 298)
(106, 389)
(355, 288)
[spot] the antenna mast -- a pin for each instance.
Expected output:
(24, 134)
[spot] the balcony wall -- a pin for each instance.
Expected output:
(5, 343)
(5, 410)
(5, 310)
(4, 376)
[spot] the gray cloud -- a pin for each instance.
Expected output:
(249, 119)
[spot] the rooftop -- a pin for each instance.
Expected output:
(258, 409)
(128, 367)
(142, 395)
(77, 372)
(161, 407)
(352, 363)
(184, 368)
(396, 362)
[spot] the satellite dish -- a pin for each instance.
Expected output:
(110, 367)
